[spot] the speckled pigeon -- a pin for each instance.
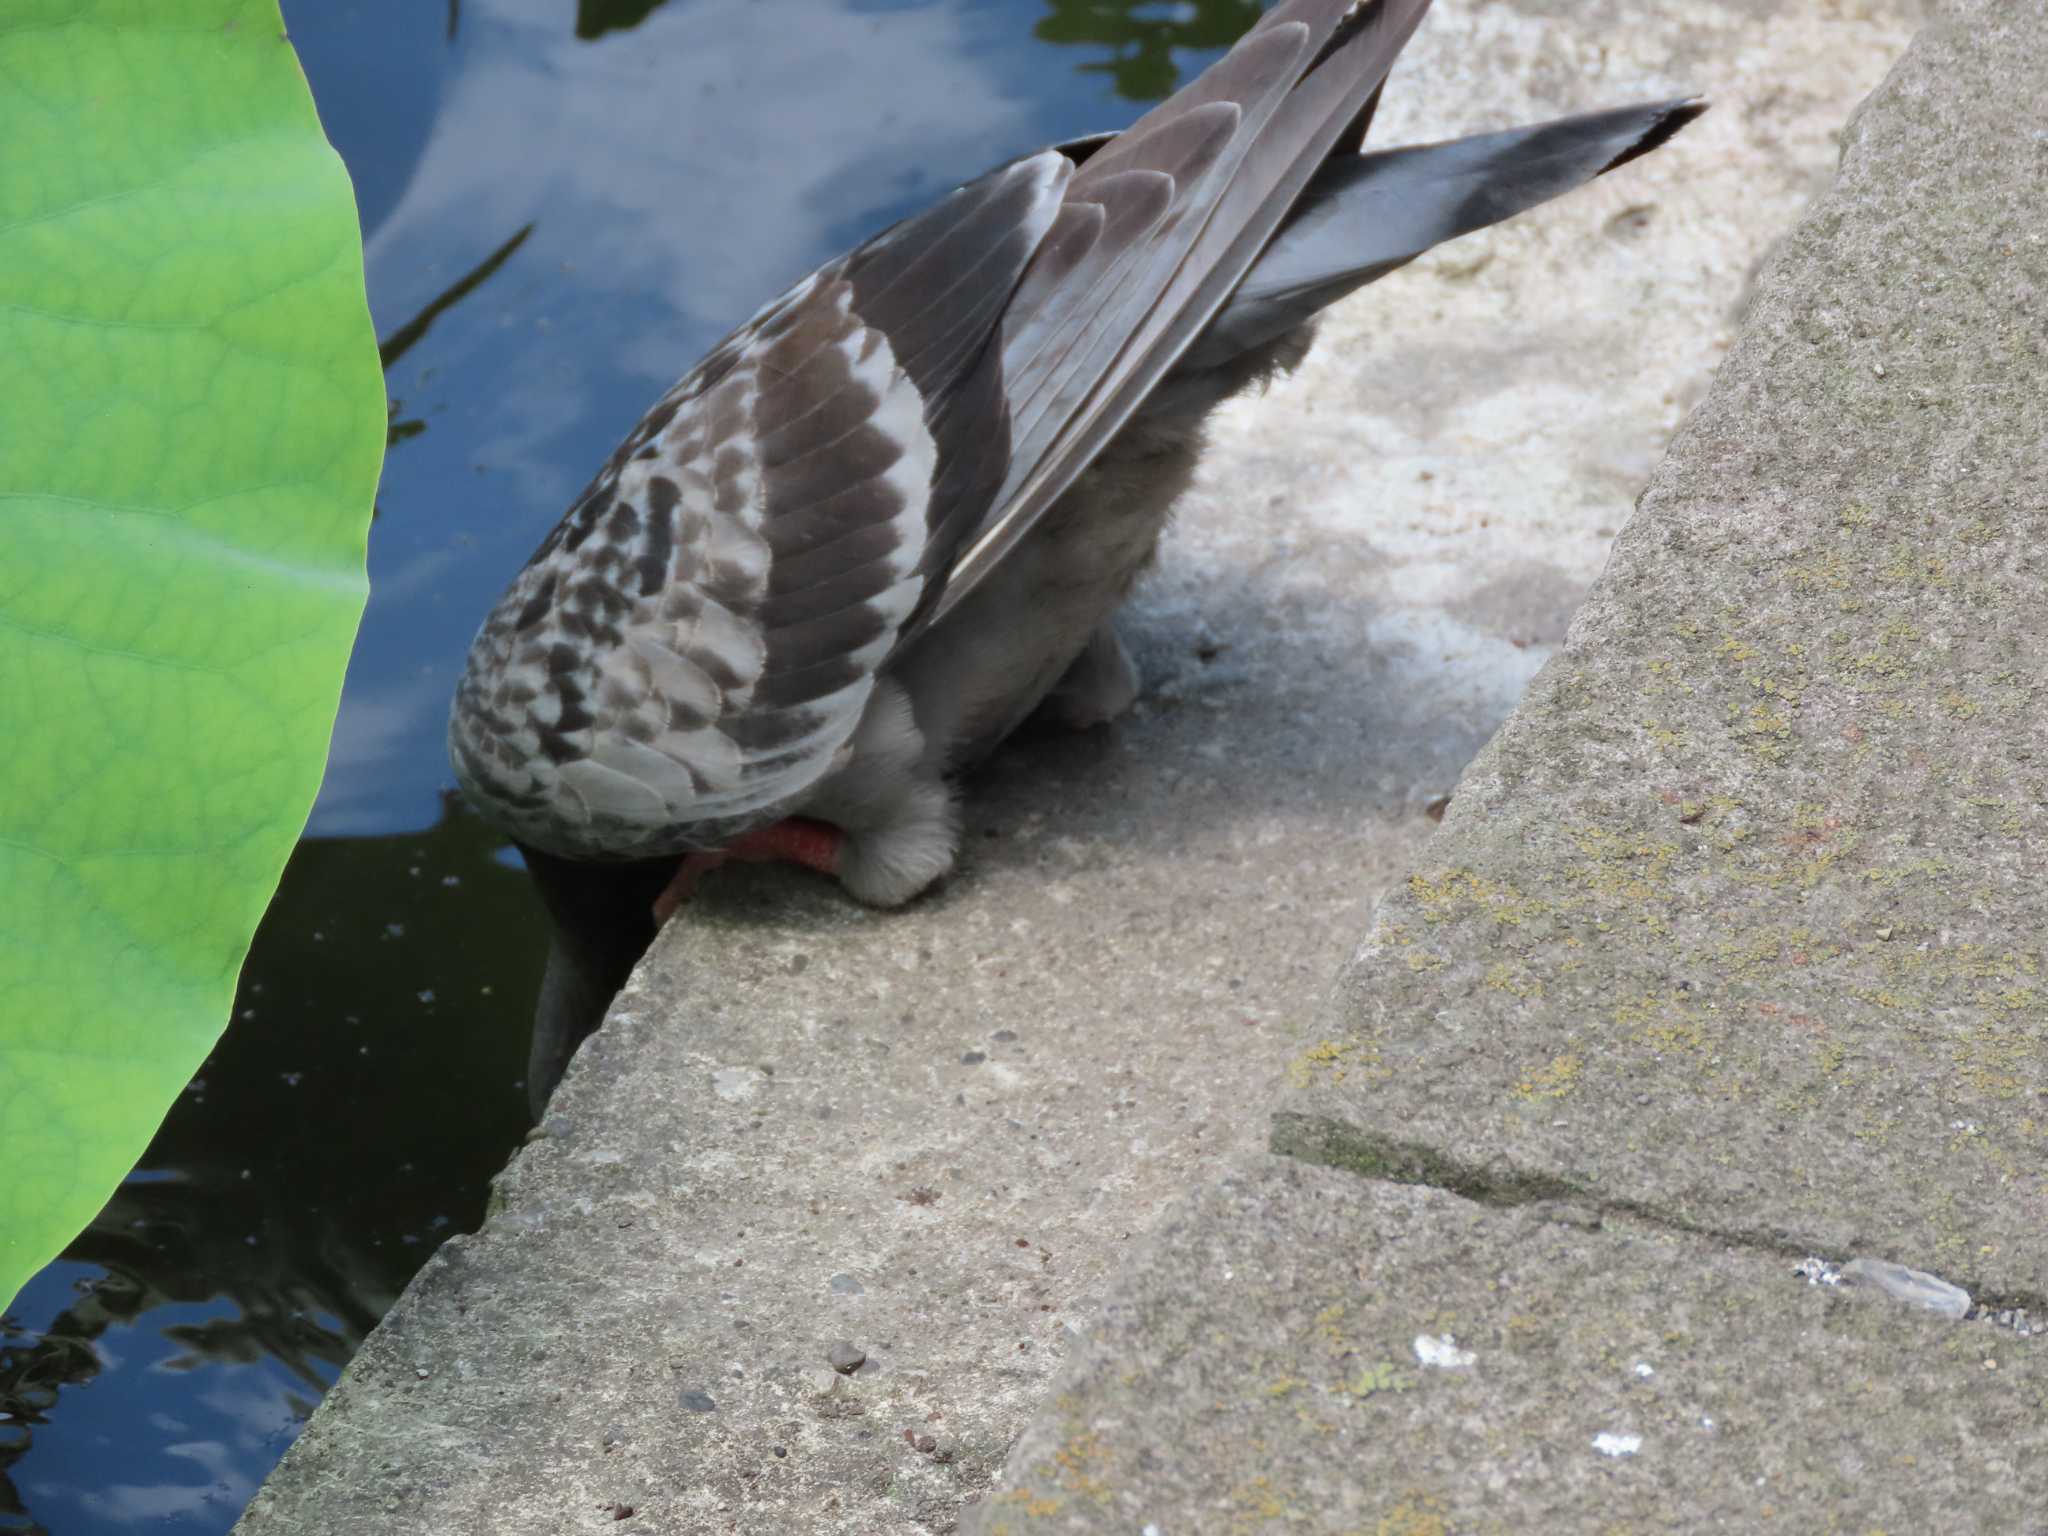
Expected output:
(894, 512)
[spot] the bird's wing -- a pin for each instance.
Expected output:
(1156, 229)
(1363, 216)
(695, 643)
(698, 637)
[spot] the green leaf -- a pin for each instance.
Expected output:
(191, 424)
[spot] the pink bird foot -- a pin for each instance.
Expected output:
(797, 840)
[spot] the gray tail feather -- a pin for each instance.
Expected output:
(1364, 215)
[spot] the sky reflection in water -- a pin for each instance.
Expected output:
(674, 165)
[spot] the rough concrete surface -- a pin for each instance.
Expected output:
(1731, 948)
(1315, 1352)
(930, 1134)
(1739, 918)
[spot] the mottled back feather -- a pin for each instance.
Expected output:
(698, 637)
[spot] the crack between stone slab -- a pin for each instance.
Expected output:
(1348, 1148)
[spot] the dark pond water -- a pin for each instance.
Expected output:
(564, 203)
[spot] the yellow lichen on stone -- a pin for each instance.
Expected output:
(1765, 730)
(1916, 869)
(1624, 871)
(1457, 891)
(1910, 567)
(1416, 1515)
(1328, 1327)
(1336, 1061)
(1992, 1060)
(1258, 1499)
(1513, 979)
(1082, 1461)
(1380, 1376)
(1825, 574)
(1038, 1506)
(1673, 1035)
(1555, 1081)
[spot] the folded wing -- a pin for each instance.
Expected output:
(1157, 229)
(697, 639)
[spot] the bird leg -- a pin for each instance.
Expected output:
(796, 840)
(1100, 685)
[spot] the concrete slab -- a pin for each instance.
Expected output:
(1312, 1352)
(1739, 919)
(1729, 949)
(930, 1135)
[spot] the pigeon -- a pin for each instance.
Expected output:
(893, 515)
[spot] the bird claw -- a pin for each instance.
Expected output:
(796, 840)
(693, 868)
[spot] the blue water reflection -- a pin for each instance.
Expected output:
(674, 165)
(196, 1463)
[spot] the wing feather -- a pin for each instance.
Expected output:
(1297, 81)
(697, 639)
(693, 645)
(1363, 216)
